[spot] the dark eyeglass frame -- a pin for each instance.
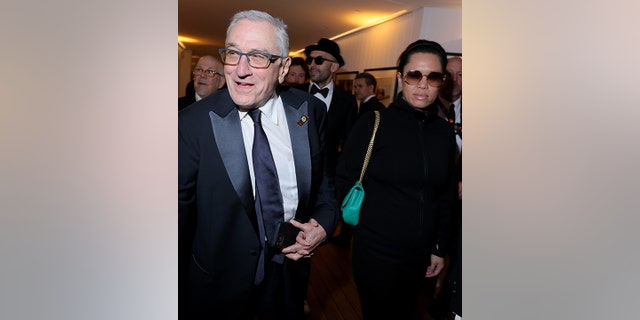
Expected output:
(434, 79)
(271, 58)
(206, 73)
(319, 60)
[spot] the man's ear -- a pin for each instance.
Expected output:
(284, 69)
(334, 67)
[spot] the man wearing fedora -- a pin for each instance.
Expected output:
(324, 60)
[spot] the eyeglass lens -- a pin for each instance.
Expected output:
(434, 79)
(319, 60)
(208, 73)
(255, 59)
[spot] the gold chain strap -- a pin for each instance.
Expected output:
(368, 155)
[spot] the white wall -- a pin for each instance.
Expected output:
(380, 46)
(443, 26)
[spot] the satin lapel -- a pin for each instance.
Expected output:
(298, 122)
(227, 132)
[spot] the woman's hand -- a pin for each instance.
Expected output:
(437, 263)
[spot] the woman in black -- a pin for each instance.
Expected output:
(402, 234)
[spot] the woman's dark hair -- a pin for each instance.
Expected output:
(422, 46)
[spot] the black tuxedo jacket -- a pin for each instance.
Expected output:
(342, 115)
(183, 102)
(214, 186)
(371, 105)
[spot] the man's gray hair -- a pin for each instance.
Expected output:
(255, 15)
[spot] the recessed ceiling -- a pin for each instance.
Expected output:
(203, 23)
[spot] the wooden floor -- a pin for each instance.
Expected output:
(332, 294)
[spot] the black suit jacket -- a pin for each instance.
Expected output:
(342, 115)
(214, 185)
(183, 102)
(371, 105)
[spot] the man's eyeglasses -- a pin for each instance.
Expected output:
(207, 73)
(259, 60)
(434, 79)
(318, 60)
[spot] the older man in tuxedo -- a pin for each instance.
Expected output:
(207, 79)
(234, 270)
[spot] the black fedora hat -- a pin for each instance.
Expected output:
(327, 46)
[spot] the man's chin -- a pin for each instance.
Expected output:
(244, 102)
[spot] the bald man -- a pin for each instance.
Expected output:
(207, 79)
(454, 67)
(451, 98)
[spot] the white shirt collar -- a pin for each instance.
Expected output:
(457, 102)
(330, 86)
(268, 109)
(368, 98)
(327, 99)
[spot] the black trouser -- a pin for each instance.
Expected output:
(387, 290)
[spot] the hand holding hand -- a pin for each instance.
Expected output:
(311, 235)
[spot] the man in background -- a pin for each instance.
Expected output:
(451, 98)
(365, 87)
(207, 79)
(298, 72)
(448, 300)
(324, 60)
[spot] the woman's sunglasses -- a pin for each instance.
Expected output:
(434, 79)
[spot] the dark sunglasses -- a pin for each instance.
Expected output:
(318, 60)
(434, 79)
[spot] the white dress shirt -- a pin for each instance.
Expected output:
(456, 107)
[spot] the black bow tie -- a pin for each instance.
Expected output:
(324, 91)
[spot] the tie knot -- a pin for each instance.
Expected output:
(255, 115)
(324, 91)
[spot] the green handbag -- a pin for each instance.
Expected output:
(353, 200)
